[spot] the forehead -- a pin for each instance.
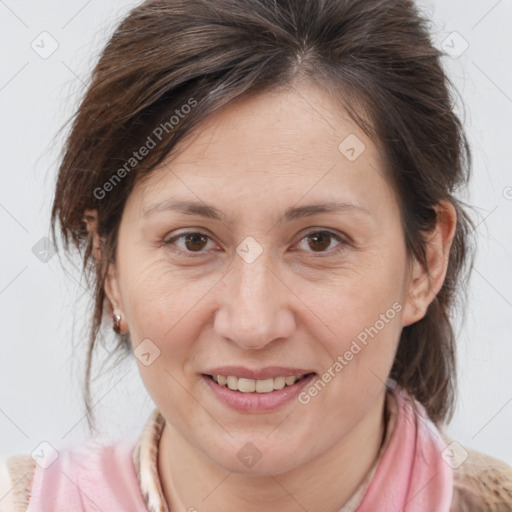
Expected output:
(294, 123)
(295, 143)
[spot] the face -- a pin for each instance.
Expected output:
(254, 282)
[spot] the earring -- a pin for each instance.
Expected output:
(117, 323)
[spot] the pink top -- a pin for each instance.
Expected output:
(89, 478)
(411, 476)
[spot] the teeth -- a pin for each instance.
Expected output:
(279, 382)
(289, 381)
(265, 386)
(246, 385)
(255, 386)
(232, 383)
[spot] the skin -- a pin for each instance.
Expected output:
(298, 304)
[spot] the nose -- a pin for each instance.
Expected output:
(255, 306)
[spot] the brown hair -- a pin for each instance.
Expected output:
(376, 56)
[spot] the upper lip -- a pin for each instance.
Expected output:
(260, 374)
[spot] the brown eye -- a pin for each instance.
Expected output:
(321, 241)
(195, 241)
(192, 242)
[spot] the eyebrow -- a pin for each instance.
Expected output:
(295, 212)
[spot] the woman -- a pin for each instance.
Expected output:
(263, 193)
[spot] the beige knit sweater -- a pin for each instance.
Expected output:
(481, 484)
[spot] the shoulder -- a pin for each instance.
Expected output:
(16, 477)
(99, 473)
(25, 481)
(111, 472)
(481, 482)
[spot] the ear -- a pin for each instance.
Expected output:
(424, 283)
(91, 221)
(111, 284)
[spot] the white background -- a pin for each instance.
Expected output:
(43, 327)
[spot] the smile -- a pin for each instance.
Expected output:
(256, 385)
(256, 395)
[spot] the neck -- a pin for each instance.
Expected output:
(324, 484)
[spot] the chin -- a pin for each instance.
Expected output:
(256, 456)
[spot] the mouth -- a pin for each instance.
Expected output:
(247, 395)
(244, 385)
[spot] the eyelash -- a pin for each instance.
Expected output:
(340, 247)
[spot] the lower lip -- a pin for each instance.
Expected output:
(256, 402)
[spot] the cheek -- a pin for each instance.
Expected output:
(357, 300)
(167, 307)
(358, 356)
(362, 317)
(163, 308)
(157, 298)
